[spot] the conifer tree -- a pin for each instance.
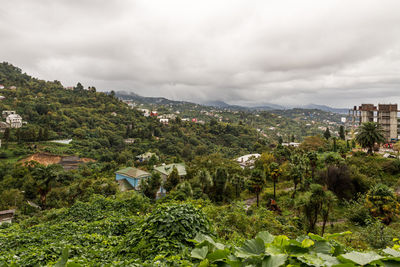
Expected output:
(327, 133)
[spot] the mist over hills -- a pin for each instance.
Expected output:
(221, 104)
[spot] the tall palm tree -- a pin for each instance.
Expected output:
(370, 134)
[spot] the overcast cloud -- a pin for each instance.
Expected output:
(289, 52)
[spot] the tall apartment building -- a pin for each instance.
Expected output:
(384, 114)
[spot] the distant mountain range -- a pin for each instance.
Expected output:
(224, 105)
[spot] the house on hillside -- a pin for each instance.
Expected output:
(146, 156)
(6, 216)
(70, 162)
(165, 170)
(5, 113)
(2, 97)
(247, 160)
(13, 87)
(129, 178)
(1, 86)
(293, 144)
(164, 121)
(129, 141)
(14, 120)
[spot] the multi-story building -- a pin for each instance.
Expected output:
(384, 114)
(14, 120)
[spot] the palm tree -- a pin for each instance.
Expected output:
(369, 134)
(257, 182)
(275, 172)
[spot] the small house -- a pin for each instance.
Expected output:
(13, 87)
(5, 113)
(6, 216)
(145, 156)
(293, 144)
(1, 86)
(14, 120)
(129, 141)
(247, 160)
(165, 170)
(164, 121)
(2, 97)
(129, 178)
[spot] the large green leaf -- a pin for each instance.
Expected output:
(331, 236)
(360, 258)
(311, 259)
(251, 247)
(274, 260)
(392, 252)
(306, 243)
(199, 253)
(316, 237)
(391, 263)
(329, 260)
(266, 236)
(322, 247)
(64, 258)
(218, 255)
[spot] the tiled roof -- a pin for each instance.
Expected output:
(133, 172)
(7, 212)
(167, 169)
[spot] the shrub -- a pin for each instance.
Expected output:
(378, 235)
(165, 232)
(382, 203)
(357, 212)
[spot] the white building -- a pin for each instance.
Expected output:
(293, 144)
(247, 160)
(164, 121)
(14, 120)
(5, 113)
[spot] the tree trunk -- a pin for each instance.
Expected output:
(323, 227)
(274, 190)
(294, 191)
(257, 193)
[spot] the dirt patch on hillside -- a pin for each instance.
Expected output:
(43, 158)
(68, 162)
(86, 160)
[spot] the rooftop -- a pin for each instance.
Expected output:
(167, 169)
(3, 212)
(133, 172)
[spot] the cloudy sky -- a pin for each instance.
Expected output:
(250, 52)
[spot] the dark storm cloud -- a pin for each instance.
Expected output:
(252, 52)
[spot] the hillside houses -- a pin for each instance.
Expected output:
(130, 178)
(6, 216)
(14, 120)
(247, 160)
(146, 156)
(165, 170)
